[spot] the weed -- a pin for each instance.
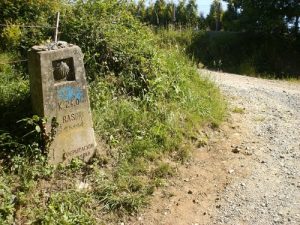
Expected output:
(184, 153)
(12, 36)
(238, 110)
(163, 170)
(65, 208)
(7, 200)
(123, 195)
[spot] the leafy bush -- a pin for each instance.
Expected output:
(7, 199)
(174, 38)
(14, 94)
(99, 29)
(11, 36)
(28, 13)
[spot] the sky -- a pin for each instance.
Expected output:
(204, 6)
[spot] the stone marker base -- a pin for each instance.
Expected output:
(59, 91)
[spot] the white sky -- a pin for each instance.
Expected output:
(204, 6)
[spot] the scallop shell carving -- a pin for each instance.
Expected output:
(61, 71)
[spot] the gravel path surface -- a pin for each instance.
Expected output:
(270, 111)
(247, 173)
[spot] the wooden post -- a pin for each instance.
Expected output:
(56, 27)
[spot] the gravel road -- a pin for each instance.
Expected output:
(270, 111)
(248, 172)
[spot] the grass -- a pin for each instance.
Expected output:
(238, 110)
(294, 80)
(174, 38)
(139, 143)
(145, 116)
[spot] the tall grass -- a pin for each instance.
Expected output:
(147, 100)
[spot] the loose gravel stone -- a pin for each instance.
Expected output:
(271, 193)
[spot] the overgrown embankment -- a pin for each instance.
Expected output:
(147, 101)
(254, 54)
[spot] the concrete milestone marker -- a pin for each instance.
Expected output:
(59, 92)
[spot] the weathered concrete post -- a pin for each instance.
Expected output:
(59, 92)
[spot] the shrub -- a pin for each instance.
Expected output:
(99, 29)
(11, 36)
(7, 199)
(34, 13)
(14, 93)
(173, 38)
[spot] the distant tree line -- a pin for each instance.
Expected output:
(260, 37)
(163, 13)
(261, 16)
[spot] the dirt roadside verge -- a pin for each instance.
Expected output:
(248, 173)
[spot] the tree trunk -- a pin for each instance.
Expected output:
(217, 25)
(296, 26)
(157, 18)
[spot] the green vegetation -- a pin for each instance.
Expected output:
(238, 110)
(263, 16)
(261, 38)
(215, 16)
(147, 100)
(247, 53)
(258, 38)
(162, 13)
(173, 38)
(14, 37)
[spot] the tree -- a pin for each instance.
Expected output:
(141, 9)
(264, 16)
(214, 18)
(169, 14)
(181, 16)
(201, 22)
(150, 15)
(191, 12)
(230, 17)
(292, 11)
(159, 11)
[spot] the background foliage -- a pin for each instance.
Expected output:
(248, 53)
(259, 38)
(16, 13)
